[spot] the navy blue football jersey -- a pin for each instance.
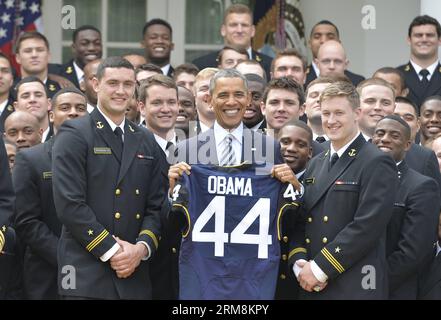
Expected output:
(230, 247)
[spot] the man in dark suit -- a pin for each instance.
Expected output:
(430, 280)
(108, 190)
(36, 220)
(7, 242)
(412, 229)
(86, 47)
(158, 43)
(423, 71)
(6, 82)
(237, 30)
(321, 32)
(346, 211)
(295, 140)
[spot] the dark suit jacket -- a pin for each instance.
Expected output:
(417, 92)
(430, 281)
(98, 193)
(8, 110)
(209, 60)
(7, 234)
(346, 215)
(423, 160)
(36, 220)
(311, 75)
(411, 231)
(68, 71)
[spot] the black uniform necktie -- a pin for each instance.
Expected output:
(425, 80)
(334, 159)
(119, 139)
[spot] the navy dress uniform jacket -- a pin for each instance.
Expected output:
(347, 209)
(411, 232)
(36, 220)
(100, 193)
(417, 92)
(8, 110)
(311, 75)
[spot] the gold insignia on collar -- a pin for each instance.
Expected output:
(52, 87)
(310, 180)
(4, 228)
(10, 108)
(47, 175)
(90, 232)
(352, 153)
(131, 129)
(258, 58)
(99, 125)
(308, 70)
(69, 70)
(439, 69)
(407, 68)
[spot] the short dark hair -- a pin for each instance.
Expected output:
(422, 20)
(154, 22)
(239, 50)
(251, 77)
(408, 101)
(30, 35)
(303, 125)
(327, 22)
(67, 90)
(83, 28)
(407, 130)
(290, 52)
(285, 83)
(436, 98)
(390, 70)
(112, 62)
(185, 68)
(28, 80)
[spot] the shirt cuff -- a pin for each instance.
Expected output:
(110, 253)
(296, 268)
(148, 250)
(318, 273)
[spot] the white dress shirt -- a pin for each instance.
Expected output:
(430, 68)
(79, 72)
(219, 137)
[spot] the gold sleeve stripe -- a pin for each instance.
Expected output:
(97, 240)
(332, 260)
(151, 235)
(2, 238)
(279, 219)
(185, 233)
(296, 250)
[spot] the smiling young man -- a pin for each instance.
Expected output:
(423, 71)
(108, 192)
(412, 229)
(430, 118)
(349, 180)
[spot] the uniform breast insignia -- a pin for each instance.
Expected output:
(310, 180)
(131, 129)
(407, 68)
(69, 70)
(52, 87)
(10, 108)
(102, 150)
(99, 125)
(47, 175)
(352, 152)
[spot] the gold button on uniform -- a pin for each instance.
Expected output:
(117, 215)
(174, 250)
(309, 219)
(282, 276)
(284, 257)
(307, 240)
(117, 192)
(285, 239)
(325, 219)
(138, 216)
(325, 240)
(137, 191)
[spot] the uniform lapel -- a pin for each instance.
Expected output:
(435, 82)
(412, 79)
(325, 179)
(132, 139)
(104, 131)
